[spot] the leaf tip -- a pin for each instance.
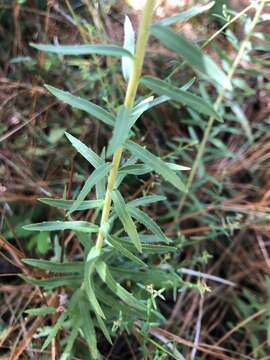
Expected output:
(69, 136)
(50, 88)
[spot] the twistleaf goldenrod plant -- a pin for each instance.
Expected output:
(112, 288)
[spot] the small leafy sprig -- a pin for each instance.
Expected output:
(97, 299)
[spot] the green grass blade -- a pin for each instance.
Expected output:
(85, 151)
(82, 226)
(85, 49)
(122, 212)
(192, 54)
(82, 104)
(161, 87)
(156, 164)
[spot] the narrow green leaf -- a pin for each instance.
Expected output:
(195, 102)
(243, 120)
(56, 267)
(185, 15)
(187, 85)
(146, 200)
(177, 167)
(42, 241)
(42, 311)
(265, 46)
(67, 204)
(121, 175)
(148, 239)
(139, 109)
(54, 330)
(52, 283)
(147, 248)
(155, 163)
(89, 288)
(115, 306)
(122, 212)
(82, 226)
(150, 102)
(86, 49)
(74, 300)
(101, 184)
(88, 329)
(192, 54)
(117, 289)
(76, 323)
(159, 278)
(82, 104)
(118, 246)
(85, 151)
(121, 129)
(104, 329)
(137, 169)
(129, 44)
(141, 169)
(150, 224)
(93, 179)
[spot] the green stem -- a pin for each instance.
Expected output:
(217, 104)
(233, 19)
(207, 42)
(129, 102)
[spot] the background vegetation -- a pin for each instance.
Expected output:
(220, 308)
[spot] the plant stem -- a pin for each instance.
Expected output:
(233, 19)
(207, 42)
(217, 104)
(129, 102)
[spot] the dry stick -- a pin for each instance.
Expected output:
(17, 352)
(198, 329)
(241, 324)
(217, 104)
(129, 101)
